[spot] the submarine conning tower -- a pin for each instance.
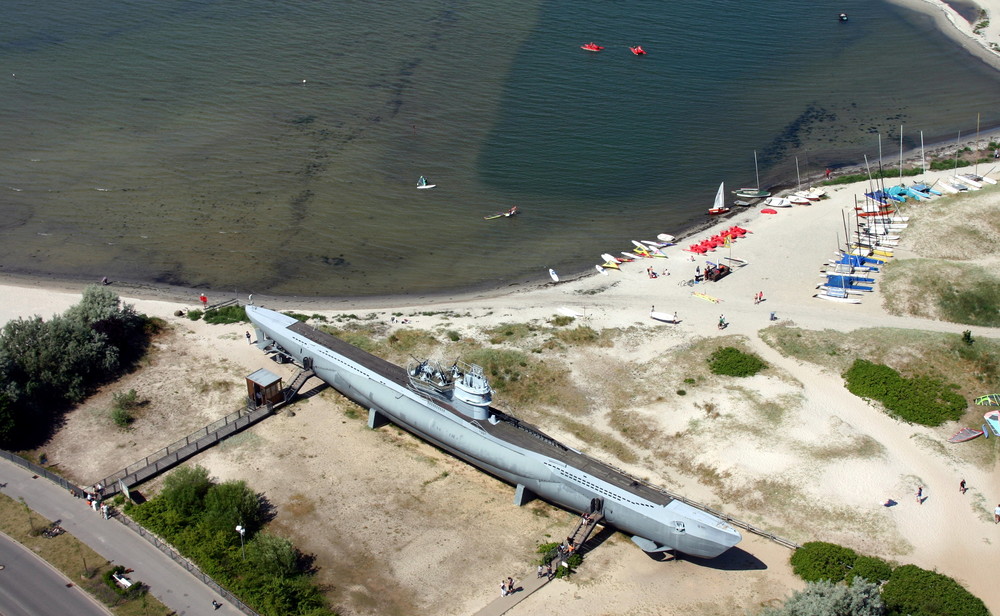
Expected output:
(462, 385)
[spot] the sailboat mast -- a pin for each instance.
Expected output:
(755, 169)
(976, 171)
(901, 154)
(923, 164)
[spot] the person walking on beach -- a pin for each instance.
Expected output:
(722, 321)
(961, 486)
(996, 515)
(920, 495)
(248, 337)
(760, 297)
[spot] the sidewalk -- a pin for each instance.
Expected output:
(524, 587)
(167, 581)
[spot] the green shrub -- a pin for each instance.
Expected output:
(870, 568)
(195, 314)
(226, 315)
(453, 335)
(198, 517)
(730, 361)
(561, 320)
(122, 418)
(918, 592)
(818, 560)
(920, 399)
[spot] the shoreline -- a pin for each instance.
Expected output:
(955, 27)
(152, 291)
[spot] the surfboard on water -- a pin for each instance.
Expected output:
(426, 186)
(422, 183)
(553, 275)
(601, 269)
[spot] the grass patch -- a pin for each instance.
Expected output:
(74, 559)
(226, 315)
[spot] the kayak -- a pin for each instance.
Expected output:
(511, 212)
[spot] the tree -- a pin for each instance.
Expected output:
(272, 556)
(230, 504)
(825, 598)
(184, 491)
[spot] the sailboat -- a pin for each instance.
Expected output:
(422, 183)
(753, 193)
(719, 207)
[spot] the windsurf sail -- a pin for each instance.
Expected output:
(988, 400)
(422, 181)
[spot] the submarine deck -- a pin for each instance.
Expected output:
(509, 429)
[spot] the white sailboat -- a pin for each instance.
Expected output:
(719, 207)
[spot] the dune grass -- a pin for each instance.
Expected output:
(955, 292)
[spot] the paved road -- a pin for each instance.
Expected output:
(167, 581)
(29, 586)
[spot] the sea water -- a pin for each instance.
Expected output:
(275, 147)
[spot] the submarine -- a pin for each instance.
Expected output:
(451, 407)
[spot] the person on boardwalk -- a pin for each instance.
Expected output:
(961, 487)
(510, 586)
(503, 588)
(215, 604)
(920, 495)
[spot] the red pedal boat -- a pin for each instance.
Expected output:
(638, 50)
(591, 47)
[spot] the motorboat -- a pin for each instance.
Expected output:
(591, 47)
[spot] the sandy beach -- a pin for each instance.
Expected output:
(368, 504)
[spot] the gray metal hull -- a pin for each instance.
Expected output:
(502, 446)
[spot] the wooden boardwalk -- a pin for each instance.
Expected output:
(172, 455)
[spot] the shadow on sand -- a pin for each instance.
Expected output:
(734, 559)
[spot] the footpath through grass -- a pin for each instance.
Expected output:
(82, 565)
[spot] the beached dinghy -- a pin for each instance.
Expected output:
(665, 317)
(663, 237)
(777, 202)
(837, 298)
